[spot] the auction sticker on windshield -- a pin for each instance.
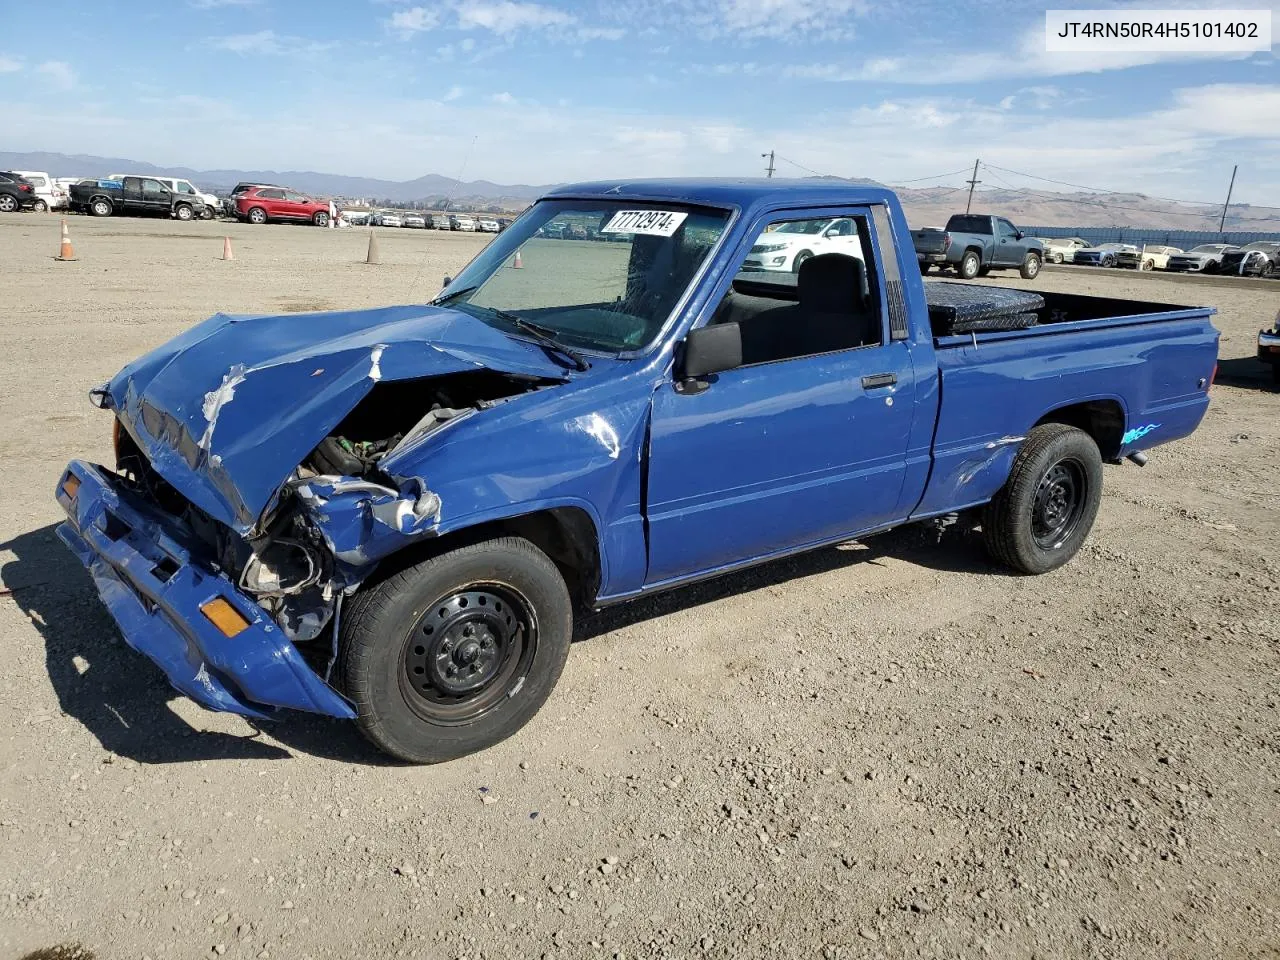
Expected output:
(652, 223)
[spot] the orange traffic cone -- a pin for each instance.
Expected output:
(227, 253)
(518, 264)
(65, 253)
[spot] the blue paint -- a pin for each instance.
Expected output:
(1137, 433)
(676, 485)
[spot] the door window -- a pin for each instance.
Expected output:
(153, 190)
(794, 297)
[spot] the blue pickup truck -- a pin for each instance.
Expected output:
(395, 515)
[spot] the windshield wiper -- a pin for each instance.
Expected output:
(453, 295)
(545, 336)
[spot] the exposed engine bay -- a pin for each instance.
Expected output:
(339, 512)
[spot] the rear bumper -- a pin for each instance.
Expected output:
(931, 257)
(154, 589)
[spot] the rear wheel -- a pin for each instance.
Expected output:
(1266, 270)
(969, 265)
(457, 652)
(8, 203)
(1045, 510)
(1057, 258)
(257, 215)
(40, 206)
(100, 207)
(1148, 265)
(1030, 267)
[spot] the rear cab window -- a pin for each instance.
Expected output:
(965, 223)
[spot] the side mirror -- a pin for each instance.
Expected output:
(1019, 235)
(710, 350)
(448, 280)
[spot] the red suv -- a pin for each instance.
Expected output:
(260, 204)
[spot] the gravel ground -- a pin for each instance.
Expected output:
(883, 749)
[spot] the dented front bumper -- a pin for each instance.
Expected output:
(155, 590)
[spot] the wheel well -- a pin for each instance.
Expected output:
(565, 534)
(1101, 419)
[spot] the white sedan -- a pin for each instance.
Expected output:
(795, 241)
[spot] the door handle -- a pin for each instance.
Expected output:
(879, 380)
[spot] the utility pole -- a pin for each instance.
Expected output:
(768, 171)
(973, 182)
(1223, 222)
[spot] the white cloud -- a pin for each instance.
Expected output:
(788, 18)
(452, 94)
(214, 4)
(413, 21)
(58, 73)
(505, 17)
(9, 65)
(502, 98)
(268, 43)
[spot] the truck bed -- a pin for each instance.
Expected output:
(1140, 371)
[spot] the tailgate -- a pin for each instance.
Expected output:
(929, 240)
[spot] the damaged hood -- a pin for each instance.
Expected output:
(227, 410)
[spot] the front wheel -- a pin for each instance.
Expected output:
(183, 212)
(801, 257)
(1030, 267)
(1266, 270)
(969, 265)
(1057, 258)
(321, 219)
(1148, 264)
(457, 652)
(1044, 511)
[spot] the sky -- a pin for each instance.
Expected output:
(543, 92)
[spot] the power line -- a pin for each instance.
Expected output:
(1081, 186)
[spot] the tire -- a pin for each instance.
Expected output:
(320, 219)
(801, 257)
(1045, 510)
(1108, 261)
(925, 268)
(1057, 258)
(40, 207)
(100, 207)
(183, 211)
(208, 214)
(257, 215)
(402, 636)
(1265, 270)
(1030, 267)
(1147, 265)
(8, 203)
(969, 265)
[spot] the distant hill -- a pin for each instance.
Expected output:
(929, 206)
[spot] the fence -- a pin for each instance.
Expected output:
(1184, 239)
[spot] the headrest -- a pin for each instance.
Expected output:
(830, 283)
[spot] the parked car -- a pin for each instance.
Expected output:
(487, 225)
(1150, 257)
(422, 498)
(1061, 249)
(138, 196)
(264, 204)
(212, 204)
(415, 220)
(386, 218)
(1269, 348)
(786, 248)
(49, 196)
(975, 244)
(357, 218)
(440, 221)
(462, 222)
(16, 193)
(1260, 258)
(1205, 258)
(1102, 255)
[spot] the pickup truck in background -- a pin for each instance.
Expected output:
(140, 196)
(975, 244)
(396, 514)
(179, 185)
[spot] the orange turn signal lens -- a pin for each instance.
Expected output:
(70, 484)
(225, 617)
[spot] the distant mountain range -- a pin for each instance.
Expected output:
(928, 206)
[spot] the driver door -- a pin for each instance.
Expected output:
(781, 452)
(1010, 251)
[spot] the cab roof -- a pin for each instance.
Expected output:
(727, 192)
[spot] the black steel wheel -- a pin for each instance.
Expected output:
(1041, 516)
(456, 652)
(460, 657)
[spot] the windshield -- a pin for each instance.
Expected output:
(1205, 248)
(606, 278)
(1262, 245)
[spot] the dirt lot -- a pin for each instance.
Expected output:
(885, 749)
